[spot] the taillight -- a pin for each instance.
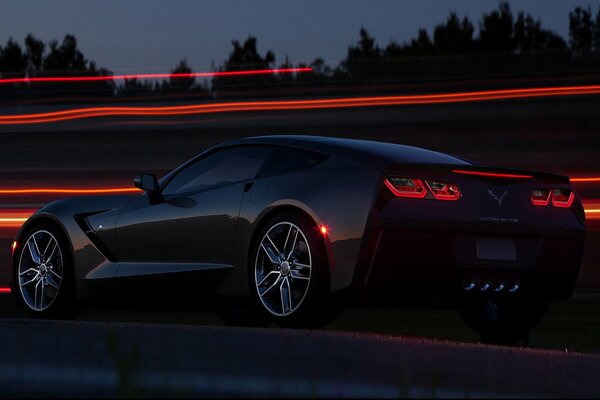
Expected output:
(562, 198)
(406, 187)
(418, 189)
(540, 197)
(444, 191)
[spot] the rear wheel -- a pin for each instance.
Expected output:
(289, 276)
(503, 322)
(43, 273)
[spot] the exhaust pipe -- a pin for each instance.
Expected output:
(513, 283)
(469, 281)
(484, 281)
(499, 282)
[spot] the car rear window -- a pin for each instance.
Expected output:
(287, 159)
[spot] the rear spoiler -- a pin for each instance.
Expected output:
(482, 172)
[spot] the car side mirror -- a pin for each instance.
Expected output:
(149, 184)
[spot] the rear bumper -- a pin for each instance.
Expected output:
(409, 264)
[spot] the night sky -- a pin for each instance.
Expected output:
(129, 36)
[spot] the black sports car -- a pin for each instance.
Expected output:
(302, 224)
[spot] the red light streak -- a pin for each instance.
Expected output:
(117, 190)
(586, 180)
(199, 109)
(13, 219)
(5, 290)
(77, 79)
(491, 174)
(592, 209)
(68, 191)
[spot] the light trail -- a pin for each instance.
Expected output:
(287, 105)
(5, 290)
(13, 219)
(593, 179)
(592, 209)
(68, 191)
(117, 190)
(78, 79)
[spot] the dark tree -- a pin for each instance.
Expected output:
(320, 75)
(453, 37)
(581, 30)
(597, 32)
(184, 84)
(65, 58)
(13, 62)
(135, 87)
(319, 69)
(34, 48)
(362, 60)
(496, 30)
(421, 46)
(531, 38)
(526, 33)
(244, 57)
(286, 78)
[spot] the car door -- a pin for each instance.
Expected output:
(194, 227)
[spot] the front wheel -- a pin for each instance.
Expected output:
(43, 273)
(290, 273)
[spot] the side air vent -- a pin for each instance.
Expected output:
(81, 220)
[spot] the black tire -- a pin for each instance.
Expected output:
(317, 307)
(60, 303)
(505, 323)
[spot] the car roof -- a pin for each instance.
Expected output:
(360, 150)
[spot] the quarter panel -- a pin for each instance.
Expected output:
(318, 193)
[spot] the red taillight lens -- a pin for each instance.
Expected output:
(540, 197)
(562, 198)
(444, 191)
(406, 187)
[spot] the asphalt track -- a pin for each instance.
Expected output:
(108, 359)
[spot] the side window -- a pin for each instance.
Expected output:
(222, 167)
(289, 159)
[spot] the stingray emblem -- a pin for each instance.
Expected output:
(500, 199)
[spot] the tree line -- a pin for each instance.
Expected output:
(506, 45)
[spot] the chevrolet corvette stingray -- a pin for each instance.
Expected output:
(299, 226)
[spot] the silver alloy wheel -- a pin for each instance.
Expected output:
(40, 272)
(282, 269)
